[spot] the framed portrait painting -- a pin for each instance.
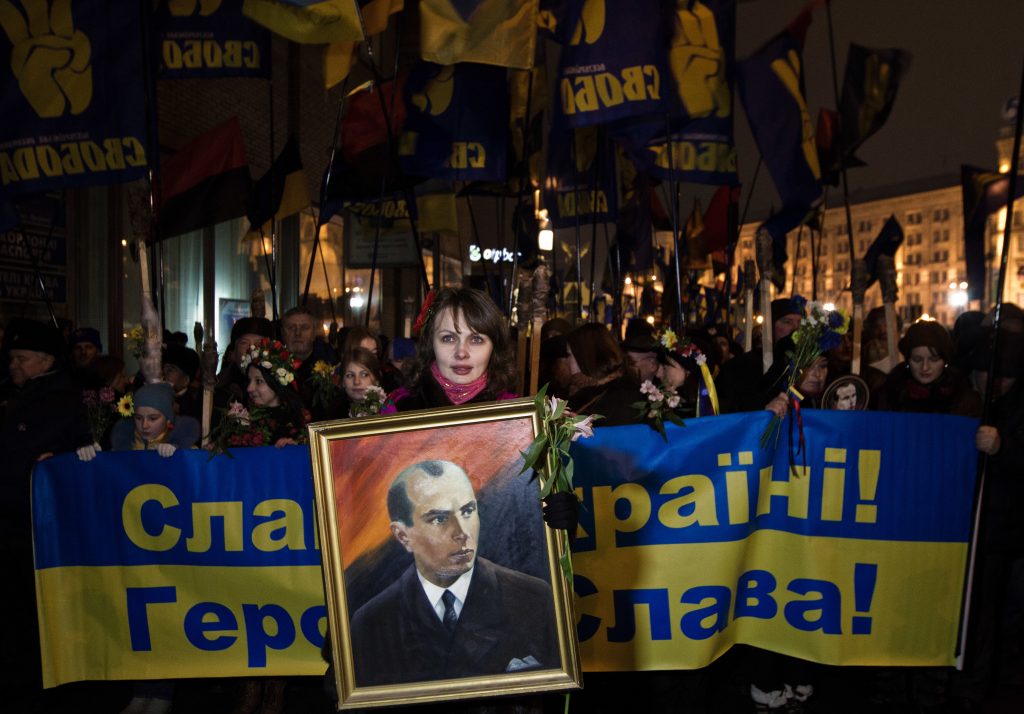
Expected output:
(847, 393)
(442, 581)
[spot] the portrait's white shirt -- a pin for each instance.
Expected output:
(459, 589)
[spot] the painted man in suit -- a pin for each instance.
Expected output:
(451, 613)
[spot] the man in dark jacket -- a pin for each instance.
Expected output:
(42, 415)
(450, 614)
(299, 330)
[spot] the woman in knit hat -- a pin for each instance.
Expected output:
(149, 424)
(926, 381)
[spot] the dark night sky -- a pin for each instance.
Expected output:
(966, 63)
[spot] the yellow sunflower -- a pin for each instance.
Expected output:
(126, 406)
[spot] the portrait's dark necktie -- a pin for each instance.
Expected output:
(450, 618)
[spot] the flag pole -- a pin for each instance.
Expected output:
(673, 190)
(600, 159)
(989, 397)
(271, 261)
(152, 154)
(335, 137)
(323, 189)
(524, 179)
(839, 134)
(576, 210)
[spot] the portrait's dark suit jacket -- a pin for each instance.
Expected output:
(397, 636)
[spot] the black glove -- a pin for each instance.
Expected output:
(562, 512)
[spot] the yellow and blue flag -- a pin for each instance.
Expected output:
(308, 21)
(149, 567)
(338, 56)
(498, 32)
(73, 95)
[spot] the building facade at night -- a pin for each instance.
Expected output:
(930, 266)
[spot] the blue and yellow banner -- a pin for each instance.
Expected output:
(71, 88)
(190, 567)
(209, 39)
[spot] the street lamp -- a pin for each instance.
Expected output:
(958, 295)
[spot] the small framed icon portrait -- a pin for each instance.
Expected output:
(848, 393)
(442, 581)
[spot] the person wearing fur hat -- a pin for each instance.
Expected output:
(84, 347)
(926, 381)
(42, 414)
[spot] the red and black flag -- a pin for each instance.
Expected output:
(984, 193)
(206, 182)
(281, 191)
(720, 222)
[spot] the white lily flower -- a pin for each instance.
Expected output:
(584, 428)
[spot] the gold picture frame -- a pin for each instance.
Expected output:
(368, 560)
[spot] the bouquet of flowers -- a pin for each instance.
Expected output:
(239, 427)
(326, 383)
(659, 406)
(820, 331)
(101, 409)
(550, 451)
(371, 403)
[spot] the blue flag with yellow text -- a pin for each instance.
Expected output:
(456, 125)
(580, 185)
(71, 88)
(200, 39)
(694, 141)
(615, 64)
(771, 85)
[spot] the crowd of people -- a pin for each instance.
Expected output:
(62, 394)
